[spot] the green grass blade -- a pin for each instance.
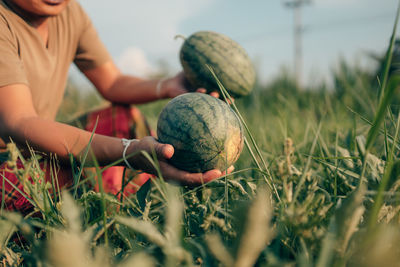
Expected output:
(381, 112)
(19, 191)
(378, 201)
(82, 162)
(3, 189)
(389, 55)
(103, 198)
(308, 163)
(227, 97)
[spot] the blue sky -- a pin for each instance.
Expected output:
(140, 34)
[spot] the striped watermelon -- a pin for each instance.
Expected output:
(227, 58)
(204, 131)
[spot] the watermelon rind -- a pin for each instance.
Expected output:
(227, 58)
(204, 131)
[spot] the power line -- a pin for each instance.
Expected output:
(316, 27)
(346, 22)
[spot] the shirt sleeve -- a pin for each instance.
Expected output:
(91, 51)
(11, 66)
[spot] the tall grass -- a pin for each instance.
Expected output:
(318, 186)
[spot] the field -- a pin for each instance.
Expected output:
(317, 185)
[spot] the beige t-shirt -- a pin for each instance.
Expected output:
(24, 58)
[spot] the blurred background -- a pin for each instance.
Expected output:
(305, 38)
(324, 121)
(324, 118)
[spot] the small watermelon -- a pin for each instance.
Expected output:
(226, 57)
(204, 131)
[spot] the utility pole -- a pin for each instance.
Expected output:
(297, 38)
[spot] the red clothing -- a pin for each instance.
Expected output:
(119, 121)
(13, 199)
(122, 122)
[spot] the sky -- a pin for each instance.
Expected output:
(140, 34)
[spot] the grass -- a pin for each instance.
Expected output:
(317, 185)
